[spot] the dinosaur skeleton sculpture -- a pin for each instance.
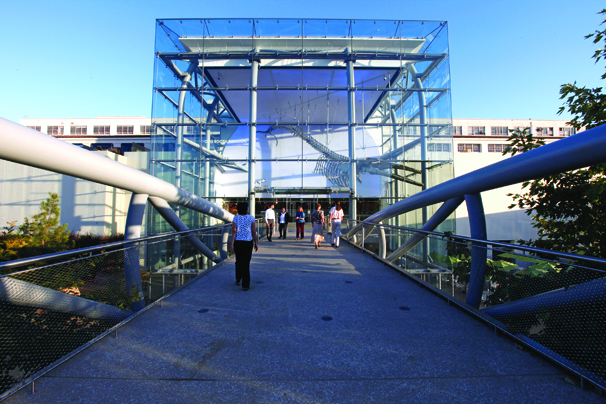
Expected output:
(335, 167)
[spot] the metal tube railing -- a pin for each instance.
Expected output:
(79, 251)
(518, 247)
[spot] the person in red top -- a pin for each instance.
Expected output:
(336, 216)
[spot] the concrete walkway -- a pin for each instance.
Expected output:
(317, 326)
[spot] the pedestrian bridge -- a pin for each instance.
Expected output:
(317, 326)
(394, 315)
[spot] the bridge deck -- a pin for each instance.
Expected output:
(317, 326)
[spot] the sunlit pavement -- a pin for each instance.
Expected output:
(317, 326)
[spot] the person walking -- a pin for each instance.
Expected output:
(300, 222)
(270, 221)
(244, 238)
(283, 223)
(317, 234)
(335, 216)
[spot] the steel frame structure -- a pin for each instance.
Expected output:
(193, 54)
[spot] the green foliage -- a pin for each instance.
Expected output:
(457, 259)
(569, 209)
(521, 141)
(588, 105)
(10, 242)
(42, 234)
(44, 230)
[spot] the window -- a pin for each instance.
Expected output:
(125, 130)
(469, 148)
(131, 147)
(101, 130)
(54, 130)
(191, 130)
(101, 146)
(411, 131)
(145, 129)
(438, 147)
(496, 148)
(38, 128)
(78, 130)
(476, 130)
(457, 130)
(544, 131)
(499, 131)
(568, 131)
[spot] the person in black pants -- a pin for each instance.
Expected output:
(270, 221)
(244, 238)
(300, 222)
(283, 220)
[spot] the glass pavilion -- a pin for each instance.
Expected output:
(296, 111)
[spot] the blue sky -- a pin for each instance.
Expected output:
(95, 58)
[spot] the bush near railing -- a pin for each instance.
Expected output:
(576, 331)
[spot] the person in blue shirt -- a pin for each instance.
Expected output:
(300, 220)
(244, 238)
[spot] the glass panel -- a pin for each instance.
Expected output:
(375, 29)
(438, 39)
(231, 28)
(282, 28)
(376, 36)
(167, 37)
(306, 125)
(336, 35)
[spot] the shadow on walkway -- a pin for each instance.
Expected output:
(317, 326)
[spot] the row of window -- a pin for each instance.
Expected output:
(504, 131)
(438, 147)
(97, 130)
(477, 148)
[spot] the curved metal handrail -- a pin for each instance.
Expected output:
(71, 253)
(532, 250)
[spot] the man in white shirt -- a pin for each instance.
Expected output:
(270, 221)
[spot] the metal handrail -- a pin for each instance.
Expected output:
(534, 250)
(69, 253)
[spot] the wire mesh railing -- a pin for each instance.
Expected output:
(57, 304)
(554, 303)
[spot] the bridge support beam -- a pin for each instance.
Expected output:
(477, 224)
(132, 271)
(584, 293)
(169, 215)
(28, 294)
(445, 210)
(224, 241)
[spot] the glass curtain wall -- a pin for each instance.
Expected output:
(354, 110)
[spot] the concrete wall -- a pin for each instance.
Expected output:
(502, 223)
(86, 207)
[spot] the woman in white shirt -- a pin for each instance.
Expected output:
(336, 216)
(244, 237)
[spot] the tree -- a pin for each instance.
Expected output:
(43, 230)
(569, 209)
(41, 234)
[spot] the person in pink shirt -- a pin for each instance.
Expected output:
(336, 216)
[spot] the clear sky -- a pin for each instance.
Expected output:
(83, 59)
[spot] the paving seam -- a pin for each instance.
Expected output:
(307, 380)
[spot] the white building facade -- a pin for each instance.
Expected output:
(476, 143)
